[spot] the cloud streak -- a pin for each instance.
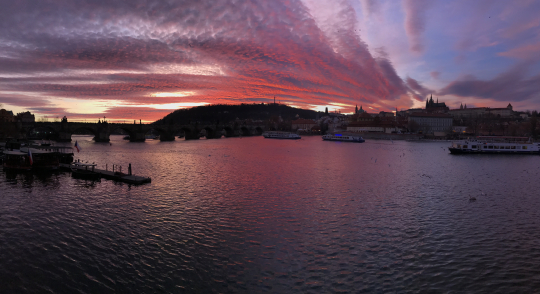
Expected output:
(415, 22)
(225, 52)
(512, 85)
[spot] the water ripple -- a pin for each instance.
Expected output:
(260, 216)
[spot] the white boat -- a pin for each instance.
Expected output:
(495, 144)
(345, 138)
(280, 135)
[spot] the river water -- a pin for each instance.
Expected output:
(255, 215)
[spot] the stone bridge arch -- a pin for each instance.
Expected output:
(245, 131)
(213, 132)
(30, 131)
(165, 134)
(190, 133)
(89, 129)
(258, 131)
(127, 130)
(229, 131)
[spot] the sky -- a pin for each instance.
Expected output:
(136, 59)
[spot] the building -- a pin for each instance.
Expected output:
(430, 123)
(25, 117)
(410, 111)
(6, 116)
(459, 129)
(436, 107)
(303, 124)
(374, 126)
(502, 112)
(463, 111)
(358, 111)
(468, 112)
(386, 114)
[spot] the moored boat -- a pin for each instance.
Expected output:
(64, 153)
(280, 135)
(16, 160)
(495, 145)
(42, 159)
(30, 159)
(344, 138)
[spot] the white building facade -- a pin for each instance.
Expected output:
(430, 123)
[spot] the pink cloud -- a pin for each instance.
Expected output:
(529, 51)
(258, 49)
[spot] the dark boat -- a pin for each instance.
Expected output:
(84, 171)
(280, 135)
(42, 159)
(43, 143)
(30, 159)
(64, 153)
(16, 160)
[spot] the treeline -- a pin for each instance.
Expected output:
(224, 113)
(499, 126)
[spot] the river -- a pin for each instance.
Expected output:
(255, 215)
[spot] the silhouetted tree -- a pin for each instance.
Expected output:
(413, 126)
(533, 121)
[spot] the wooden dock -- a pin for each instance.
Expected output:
(115, 176)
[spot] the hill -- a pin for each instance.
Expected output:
(226, 113)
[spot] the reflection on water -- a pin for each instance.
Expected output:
(262, 215)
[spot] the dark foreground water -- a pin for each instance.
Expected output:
(251, 215)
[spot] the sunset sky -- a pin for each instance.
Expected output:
(136, 59)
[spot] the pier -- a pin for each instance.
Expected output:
(115, 176)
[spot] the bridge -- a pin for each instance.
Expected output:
(62, 131)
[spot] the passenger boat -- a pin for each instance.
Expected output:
(30, 159)
(64, 153)
(84, 171)
(16, 160)
(495, 144)
(42, 159)
(345, 138)
(280, 135)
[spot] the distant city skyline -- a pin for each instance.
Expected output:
(128, 60)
